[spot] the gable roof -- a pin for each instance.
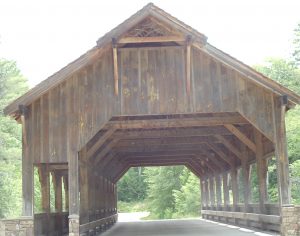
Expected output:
(199, 39)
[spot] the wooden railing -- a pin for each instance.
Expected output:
(98, 226)
(51, 224)
(270, 221)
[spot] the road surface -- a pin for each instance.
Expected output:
(193, 227)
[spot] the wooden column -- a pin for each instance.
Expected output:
(284, 188)
(218, 192)
(203, 200)
(246, 178)
(212, 191)
(66, 188)
(84, 186)
(27, 164)
(57, 183)
(73, 185)
(44, 177)
(207, 195)
(235, 191)
(226, 191)
(262, 169)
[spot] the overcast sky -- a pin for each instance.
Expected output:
(45, 35)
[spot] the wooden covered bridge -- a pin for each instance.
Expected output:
(153, 92)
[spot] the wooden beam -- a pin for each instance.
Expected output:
(221, 154)
(92, 150)
(116, 70)
(242, 137)
(183, 122)
(173, 133)
(105, 151)
(160, 39)
(230, 146)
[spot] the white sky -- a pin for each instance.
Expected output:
(45, 35)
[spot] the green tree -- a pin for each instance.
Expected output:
(162, 182)
(187, 199)
(296, 45)
(12, 85)
(132, 186)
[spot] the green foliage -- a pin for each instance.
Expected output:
(295, 178)
(132, 186)
(296, 45)
(162, 181)
(283, 71)
(187, 199)
(12, 85)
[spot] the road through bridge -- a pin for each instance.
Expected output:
(193, 227)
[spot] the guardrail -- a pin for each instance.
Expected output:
(98, 226)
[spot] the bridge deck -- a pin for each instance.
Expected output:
(174, 228)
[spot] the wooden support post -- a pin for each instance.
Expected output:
(226, 191)
(57, 183)
(284, 188)
(246, 178)
(235, 191)
(84, 186)
(262, 170)
(27, 165)
(66, 188)
(212, 192)
(115, 61)
(207, 195)
(44, 177)
(218, 192)
(74, 204)
(203, 200)
(188, 65)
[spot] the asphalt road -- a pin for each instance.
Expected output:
(195, 227)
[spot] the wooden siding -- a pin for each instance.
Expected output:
(152, 81)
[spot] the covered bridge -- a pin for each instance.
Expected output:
(152, 92)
